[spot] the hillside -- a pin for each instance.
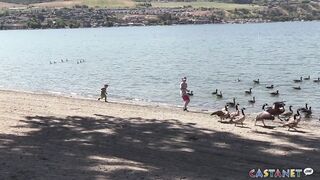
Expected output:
(83, 13)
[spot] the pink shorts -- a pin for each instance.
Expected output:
(185, 98)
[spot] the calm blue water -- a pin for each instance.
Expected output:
(147, 63)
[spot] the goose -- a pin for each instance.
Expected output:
(54, 62)
(248, 92)
(253, 100)
(265, 106)
(233, 103)
(304, 109)
(222, 114)
(256, 81)
(317, 80)
(215, 92)
(277, 109)
(50, 62)
(308, 113)
(297, 88)
(298, 80)
(293, 123)
(235, 114)
(270, 87)
(77, 62)
(276, 93)
(190, 93)
(241, 118)
(287, 115)
(61, 60)
(307, 78)
(219, 95)
(238, 80)
(263, 116)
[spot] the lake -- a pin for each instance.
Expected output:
(146, 64)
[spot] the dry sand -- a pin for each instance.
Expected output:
(52, 137)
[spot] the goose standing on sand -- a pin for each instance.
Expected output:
(215, 92)
(298, 80)
(276, 93)
(292, 124)
(286, 116)
(248, 92)
(256, 81)
(222, 114)
(307, 78)
(253, 100)
(270, 87)
(240, 119)
(263, 116)
(233, 115)
(233, 103)
(297, 88)
(317, 80)
(219, 95)
(277, 109)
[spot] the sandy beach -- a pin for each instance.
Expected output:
(51, 137)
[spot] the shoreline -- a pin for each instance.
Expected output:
(55, 137)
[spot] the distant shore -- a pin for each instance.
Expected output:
(53, 137)
(81, 16)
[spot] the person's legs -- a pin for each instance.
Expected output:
(186, 102)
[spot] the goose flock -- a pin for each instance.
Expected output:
(290, 118)
(79, 61)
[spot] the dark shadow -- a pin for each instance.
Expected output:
(107, 147)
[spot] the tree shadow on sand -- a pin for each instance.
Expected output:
(106, 147)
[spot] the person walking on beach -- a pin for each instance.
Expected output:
(184, 94)
(104, 93)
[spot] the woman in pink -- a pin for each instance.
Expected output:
(183, 93)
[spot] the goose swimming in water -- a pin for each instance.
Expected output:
(219, 95)
(317, 80)
(248, 92)
(307, 78)
(304, 109)
(270, 87)
(298, 80)
(253, 100)
(265, 107)
(256, 81)
(275, 93)
(308, 113)
(190, 93)
(233, 103)
(297, 88)
(215, 92)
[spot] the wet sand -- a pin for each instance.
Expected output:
(52, 137)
